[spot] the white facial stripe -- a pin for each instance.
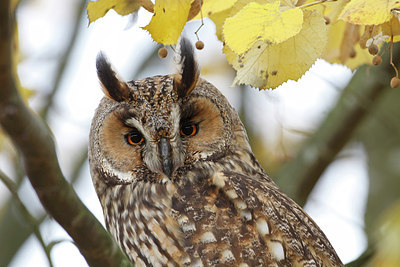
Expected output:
(123, 176)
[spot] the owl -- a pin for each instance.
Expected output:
(179, 184)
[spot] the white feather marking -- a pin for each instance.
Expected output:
(219, 179)
(262, 226)
(186, 260)
(277, 250)
(246, 214)
(197, 263)
(227, 256)
(207, 237)
(183, 219)
(231, 194)
(188, 227)
(240, 204)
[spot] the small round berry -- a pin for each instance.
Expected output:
(373, 49)
(377, 60)
(327, 20)
(394, 82)
(199, 45)
(162, 52)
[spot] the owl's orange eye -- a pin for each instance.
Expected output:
(189, 129)
(134, 138)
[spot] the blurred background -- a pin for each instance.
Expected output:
(356, 200)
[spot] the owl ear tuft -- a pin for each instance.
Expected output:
(185, 81)
(112, 86)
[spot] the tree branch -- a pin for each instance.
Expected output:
(358, 98)
(9, 220)
(32, 138)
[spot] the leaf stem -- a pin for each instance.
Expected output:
(202, 24)
(391, 57)
(315, 3)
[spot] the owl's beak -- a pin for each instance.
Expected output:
(165, 152)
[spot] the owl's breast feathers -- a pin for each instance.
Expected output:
(231, 218)
(223, 218)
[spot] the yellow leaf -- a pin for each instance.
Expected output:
(219, 18)
(368, 12)
(289, 3)
(240, 4)
(332, 9)
(169, 18)
(195, 8)
(257, 22)
(211, 7)
(99, 8)
(268, 66)
(343, 48)
(392, 27)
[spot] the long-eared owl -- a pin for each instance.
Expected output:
(179, 185)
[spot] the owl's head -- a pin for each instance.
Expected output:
(151, 128)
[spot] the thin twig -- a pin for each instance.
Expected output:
(32, 221)
(64, 59)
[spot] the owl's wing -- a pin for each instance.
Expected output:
(289, 234)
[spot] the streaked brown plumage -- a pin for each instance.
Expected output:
(179, 184)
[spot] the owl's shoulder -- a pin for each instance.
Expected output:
(231, 217)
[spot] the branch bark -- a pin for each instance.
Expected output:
(365, 88)
(32, 138)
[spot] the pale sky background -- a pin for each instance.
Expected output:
(338, 202)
